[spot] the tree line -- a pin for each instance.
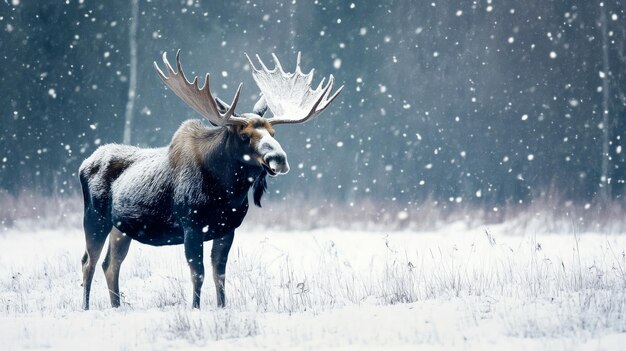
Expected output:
(478, 102)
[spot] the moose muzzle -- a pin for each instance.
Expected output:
(276, 163)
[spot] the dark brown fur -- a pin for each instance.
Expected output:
(191, 143)
(250, 129)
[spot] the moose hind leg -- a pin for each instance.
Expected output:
(95, 236)
(219, 257)
(194, 245)
(118, 248)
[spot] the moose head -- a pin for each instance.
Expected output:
(288, 96)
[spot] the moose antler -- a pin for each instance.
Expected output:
(289, 95)
(200, 99)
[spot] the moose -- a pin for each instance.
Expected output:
(196, 188)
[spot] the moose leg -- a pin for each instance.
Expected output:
(118, 248)
(219, 256)
(95, 236)
(194, 244)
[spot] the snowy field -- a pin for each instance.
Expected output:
(456, 288)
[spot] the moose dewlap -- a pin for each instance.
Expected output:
(196, 188)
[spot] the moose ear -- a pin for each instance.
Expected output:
(223, 108)
(221, 105)
(260, 107)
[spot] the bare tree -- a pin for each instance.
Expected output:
(132, 84)
(605, 180)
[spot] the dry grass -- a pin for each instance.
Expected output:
(545, 214)
(35, 211)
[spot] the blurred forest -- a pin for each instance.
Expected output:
(475, 102)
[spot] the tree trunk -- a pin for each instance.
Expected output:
(132, 84)
(605, 180)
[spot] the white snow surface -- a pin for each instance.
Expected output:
(456, 288)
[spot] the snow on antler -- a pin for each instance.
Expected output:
(289, 95)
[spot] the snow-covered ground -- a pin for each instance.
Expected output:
(456, 288)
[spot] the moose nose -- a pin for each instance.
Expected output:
(277, 163)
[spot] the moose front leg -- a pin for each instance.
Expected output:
(219, 256)
(194, 241)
